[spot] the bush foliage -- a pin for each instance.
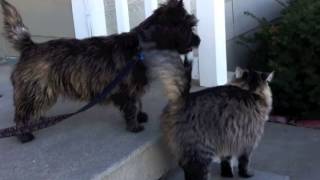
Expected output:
(290, 46)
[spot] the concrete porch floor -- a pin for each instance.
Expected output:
(85, 146)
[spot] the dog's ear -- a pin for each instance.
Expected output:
(171, 2)
(180, 3)
(175, 3)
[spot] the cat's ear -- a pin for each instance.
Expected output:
(268, 76)
(239, 72)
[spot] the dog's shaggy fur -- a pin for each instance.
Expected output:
(80, 69)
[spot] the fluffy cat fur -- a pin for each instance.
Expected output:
(80, 69)
(225, 121)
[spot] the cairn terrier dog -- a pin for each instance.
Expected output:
(80, 69)
(223, 122)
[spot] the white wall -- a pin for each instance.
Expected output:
(46, 19)
(49, 19)
(237, 23)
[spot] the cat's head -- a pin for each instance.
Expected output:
(253, 81)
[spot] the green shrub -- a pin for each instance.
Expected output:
(290, 46)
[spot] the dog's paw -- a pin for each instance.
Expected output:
(246, 174)
(136, 129)
(142, 117)
(25, 138)
(227, 174)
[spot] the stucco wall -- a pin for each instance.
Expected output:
(136, 13)
(236, 22)
(46, 19)
(53, 19)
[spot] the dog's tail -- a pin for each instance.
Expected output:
(16, 32)
(174, 74)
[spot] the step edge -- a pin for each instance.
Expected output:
(154, 146)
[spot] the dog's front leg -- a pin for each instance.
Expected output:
(130, 112)
(130, 109)
(142, 116)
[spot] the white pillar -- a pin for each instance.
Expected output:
(187, 5)
(98, 17)
(150, 6)
(80, 19)
(195, 64)
(89, 18)
(122, 12)
(212, 50)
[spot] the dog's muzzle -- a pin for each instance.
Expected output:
(195, 42)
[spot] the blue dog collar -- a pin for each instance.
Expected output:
(141, 56)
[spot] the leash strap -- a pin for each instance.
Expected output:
(107, 90)
(50, 121)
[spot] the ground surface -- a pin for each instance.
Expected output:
(215, 175)
(87, 144)
(289, 151)
(78, 148)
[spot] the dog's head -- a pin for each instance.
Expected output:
(170, 27)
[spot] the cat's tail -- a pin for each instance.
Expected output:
(16, 32)
(174, 74)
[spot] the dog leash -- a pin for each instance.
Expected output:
(45, 122)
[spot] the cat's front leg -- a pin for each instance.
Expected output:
(196, 169)
(226, 168)
(244, 161)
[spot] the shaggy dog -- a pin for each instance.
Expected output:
(80, 69)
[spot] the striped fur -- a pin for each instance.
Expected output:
(225, 121)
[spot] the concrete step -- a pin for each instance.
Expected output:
(95, 145)
(92, 145)
(259, 175)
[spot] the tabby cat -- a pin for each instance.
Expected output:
(223, 122)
